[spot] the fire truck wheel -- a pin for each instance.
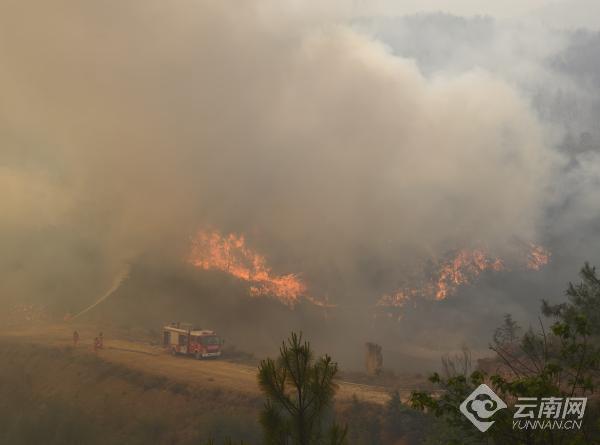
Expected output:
(198, 356)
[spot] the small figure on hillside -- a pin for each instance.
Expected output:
(75, 338)
(96, 344)
(101, 341)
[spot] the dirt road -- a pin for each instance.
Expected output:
(150, 359)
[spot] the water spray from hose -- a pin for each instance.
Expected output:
(119, 279)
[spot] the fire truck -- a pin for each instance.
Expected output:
(183, 338)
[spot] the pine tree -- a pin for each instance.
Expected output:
(299, 391)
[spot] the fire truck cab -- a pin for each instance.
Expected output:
(183, 338)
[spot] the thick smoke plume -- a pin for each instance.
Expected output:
(346, 150)
(128, 125)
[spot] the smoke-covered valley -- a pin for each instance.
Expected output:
(355, 150)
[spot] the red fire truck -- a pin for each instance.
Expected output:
(183, 338)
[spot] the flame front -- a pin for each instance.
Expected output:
(538, 257)
(213, 251)
(462, 269)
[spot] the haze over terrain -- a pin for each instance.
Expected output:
(350, 144)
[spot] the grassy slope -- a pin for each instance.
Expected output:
(55, 395)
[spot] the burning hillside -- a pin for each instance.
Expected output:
(463, 269)
(537, 257)
(212, 250)
(229, 253)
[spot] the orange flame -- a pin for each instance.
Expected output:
(213, 251)
(463, 269)
(538, 257)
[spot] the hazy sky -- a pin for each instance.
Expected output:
(556, 13)
(503, 8)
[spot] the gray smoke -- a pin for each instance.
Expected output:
(346, 148)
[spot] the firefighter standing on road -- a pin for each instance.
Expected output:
(75, 338)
